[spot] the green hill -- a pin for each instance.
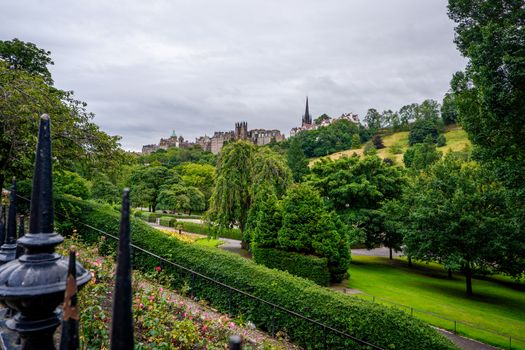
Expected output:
(456, 140)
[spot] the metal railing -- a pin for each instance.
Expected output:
(507, 341)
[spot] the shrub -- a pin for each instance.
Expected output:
(441, 140)
(422, 128)
(383, 326)
(307, 266)
(167, 221)
(377, 140)
(149, 217)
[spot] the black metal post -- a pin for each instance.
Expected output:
(122, 324)
(2, 223)
(8, 249)
(34, 284)
(21, 233)
(69, 337)
(235, 342)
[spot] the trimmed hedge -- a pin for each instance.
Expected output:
(167, 221)
(149, 217)
(386, 327)
(307, 266)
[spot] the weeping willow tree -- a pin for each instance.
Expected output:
(242, 169)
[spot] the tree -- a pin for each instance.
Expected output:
(67, 182)
(201, 176)
(392, 120)
(449, 109)
(197, 199)
(407, 114)
(269, 169)
(489, 94)
(231, 198)
(27, 57)
(174, 198)
(459, 214)
(78, 144)
(356, 188)
(297, 160)
(377, 140)
(421, 155)
(104, 190)
(321, 119)
(307, 227)
(374, 119)
(422, 128)
(428, 110)
(356, 141)
(267, 220)
(147, 182)
(391, 215)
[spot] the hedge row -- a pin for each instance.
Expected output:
(149, 217)
(388, 328)
(197, 215)
(307, 266)
(167, 221)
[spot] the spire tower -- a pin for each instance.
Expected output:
(307, 118)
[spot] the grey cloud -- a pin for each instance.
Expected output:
(197, 66)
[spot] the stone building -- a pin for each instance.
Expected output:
(308, 124)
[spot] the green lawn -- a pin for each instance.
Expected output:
(209, 242)
(498, 303)
(456, 140)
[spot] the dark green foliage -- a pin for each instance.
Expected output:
(329, 139)
(460, 215)
(177, 156)
(377, 140)
(388, 328)
(421, 155)
(320, 119)
(356, 188)
(27, 57)
(297, 160)
(308, 228)
(489, 94)
(104, 190)
(441, 141)
(356, 141)
(149, 216)
(167, 221)
(374, 120)
(422, 128)
(147, 182)
(66, 182)
(449, 110)
(306, 266)
(267, 220)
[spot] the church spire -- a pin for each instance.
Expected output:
(307, 118)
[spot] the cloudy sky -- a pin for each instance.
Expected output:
(196, 66)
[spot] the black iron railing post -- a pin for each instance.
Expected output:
(122, 323)
(34, 284)
(235, 343)
(8, 248)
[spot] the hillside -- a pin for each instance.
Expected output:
(456, 140)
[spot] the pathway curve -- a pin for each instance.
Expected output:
(234, 246)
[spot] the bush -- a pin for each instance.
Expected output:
(149, 217)
(380, 325)
(422, 128)
(441, 140)
(306, 266)
(167, 221)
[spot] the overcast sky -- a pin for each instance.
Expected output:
(147, 67)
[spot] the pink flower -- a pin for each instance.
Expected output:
(141, 306)
(161, 289)
(231, 325)
(158, 268)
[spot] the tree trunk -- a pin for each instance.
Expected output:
(468, 279)
(409, 261)
(390, 250)
(2, 178)
(450, 274)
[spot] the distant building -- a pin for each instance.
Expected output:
(256, 136)
(307, 123)
(215, 143)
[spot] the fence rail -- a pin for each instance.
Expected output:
(507, 340)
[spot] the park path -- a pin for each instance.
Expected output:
(234, 246)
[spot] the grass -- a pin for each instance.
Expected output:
(456, 140)
(498, 303)
(204, 229)
(214, 243)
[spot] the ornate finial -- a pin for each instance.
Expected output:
(34, 284)
(235, 342)
(69, 337)
(8, 249)
(122, 325)
(41, 220)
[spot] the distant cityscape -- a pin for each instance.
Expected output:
(258, 137)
